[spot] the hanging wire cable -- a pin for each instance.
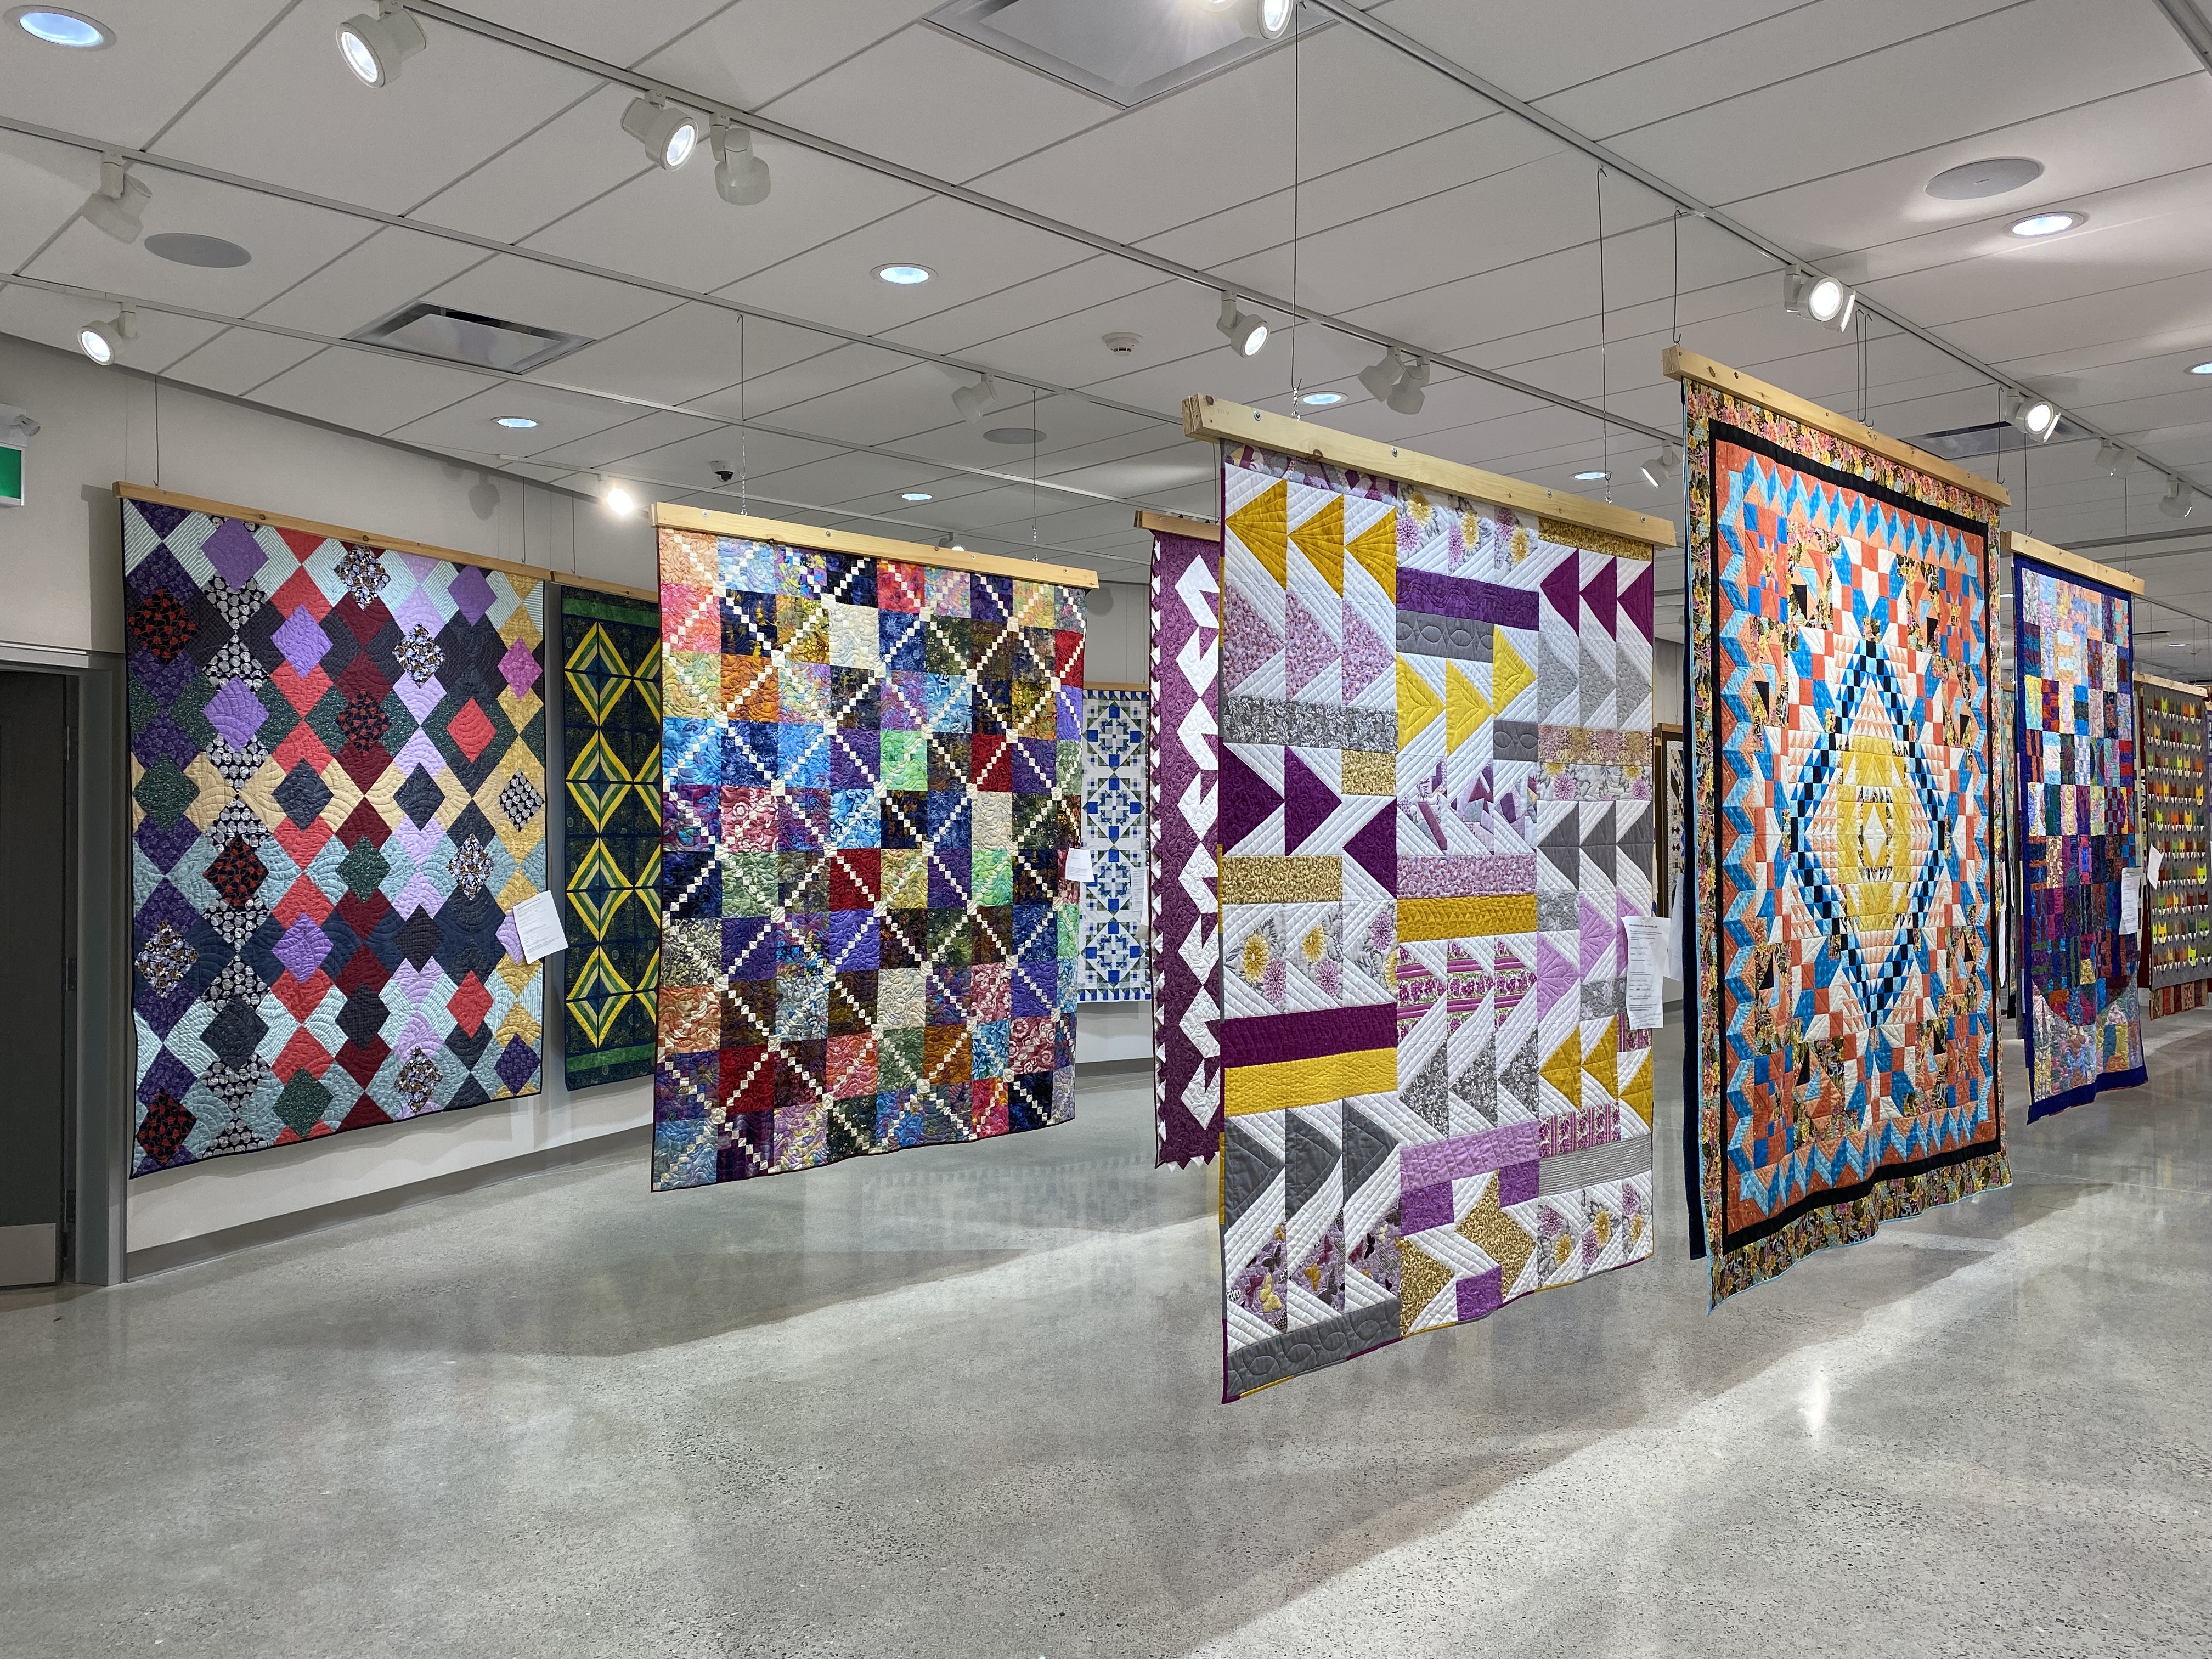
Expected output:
(1678, 276)
(744, 472)
(1034, 436)
(1604, 390)
(1297, 129)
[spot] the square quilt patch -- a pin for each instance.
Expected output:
(1115, 965)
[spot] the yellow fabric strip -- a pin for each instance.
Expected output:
(1288, 1083)
(1422, 919)
(1270, 880)
(1369, 774)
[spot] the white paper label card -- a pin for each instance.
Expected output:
(1674, 932)
(1079, 866)
(1647, 1004)
(537, 923)
(2130, 899)
(2157, 864)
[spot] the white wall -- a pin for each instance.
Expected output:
(1117, 635)
(61, 580)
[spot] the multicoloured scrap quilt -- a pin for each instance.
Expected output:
(2076, 741)
(1116, 965)
(1841, 693)
(610, 726)
(873, 773)
(337, 776)
(1186, 848)
(1434, 811)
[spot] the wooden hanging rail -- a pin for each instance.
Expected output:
(669, 516)
(254, 515)
(1174, 524)
(1224, 421)
(1681, 365)
(2166, 684)
(2073, 564)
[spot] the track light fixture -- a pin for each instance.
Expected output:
(1823, 299)
(1396, 382)
(1246, 332)
(973, 399)
(618, 500)
(2111, 459)
(669, 134)
(1659, 469)
(740, 177)
(118, 206)
(2177, 500)
(1262, 20)
(2036, 417)
(375, 47)
(101, 341)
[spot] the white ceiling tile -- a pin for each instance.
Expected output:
(369, 390)
(746, 55)
(54, 318)
(521, 290)
(562, 417)
(1535, 50)
(940, 102)
(290, 111)
(162, 55)
(618, 35)
(42, 185)
(578, 154)
(240, 359)
(612, 449)
(391, 268)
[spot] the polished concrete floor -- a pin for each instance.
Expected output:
(961, 1401)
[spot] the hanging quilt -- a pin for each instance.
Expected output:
(337, 775)
(873, 772)
(2076, 743)
(610, 727)
(1186, 848)
(1115, 963)
(1841, 618)
(2170, 758)
(1435, 813)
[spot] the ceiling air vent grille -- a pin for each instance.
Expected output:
(1963, 443)
(1125, 50)
(462, 337)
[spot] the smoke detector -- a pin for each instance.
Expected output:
(1122, 345)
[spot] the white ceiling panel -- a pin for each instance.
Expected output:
(671, 226)
(1531, 50)
(612, 449)
(687, 352)
(162, 55)
(369, 390)
(370, 281)
(290, 111)
(54, 318)
(521, 290)
(562, 417)
(749, 54)
(935, 100)
(619, 34)
(755, 457)
(42, 185)
(240, 359)
(576, 155)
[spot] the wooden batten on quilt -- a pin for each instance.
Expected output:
(2073, 564)
(1174, 524)
(667, 515)
(254, 515)
(1216, 418)
(1679, 364)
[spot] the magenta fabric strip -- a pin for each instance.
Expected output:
(1432, 1161)
(1465, 598)
(1186, 848)
(1309, 1035)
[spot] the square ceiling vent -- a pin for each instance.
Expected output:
(1964, 443)
(462, 336)
(1125, 50)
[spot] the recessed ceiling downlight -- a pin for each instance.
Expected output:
(1322, 399)
(916, 495)
(517, 423)
(2200, 369)
(182, 247)
(2047, 224)
(1996, 176)
(61, 29)
(1013, 434)
(904, 276)
(1591, 474)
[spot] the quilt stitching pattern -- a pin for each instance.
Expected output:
(337, 774)
(873, 773)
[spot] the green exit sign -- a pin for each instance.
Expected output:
(11, 476)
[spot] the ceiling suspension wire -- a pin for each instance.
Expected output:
(1604, 385)
(1297, 131)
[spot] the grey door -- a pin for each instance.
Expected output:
(34, 972)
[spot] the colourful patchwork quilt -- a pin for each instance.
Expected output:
(1116, 965)
(1841, 618)
(2076, 739)
(1435, 813)
(873, 773)
(337, 778)
(610, 727)
(1186, 848)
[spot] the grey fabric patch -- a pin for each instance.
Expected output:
(1600, 858)
(1516, 1077)
(1597, 680)
(1557, 913)
(1427, 1090)
(1600, 832)
(1254, 719)
(1248, 1169)
(1513, 740)
(1367, 1148)
(1313, 726)
(1558, 679)
(1604, 999)
(1309, 1158)
(1616, 1160)
(1637, 830)
(1475, 1090)
(1420, 634)
(1293, 1353)
(1373, 731)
